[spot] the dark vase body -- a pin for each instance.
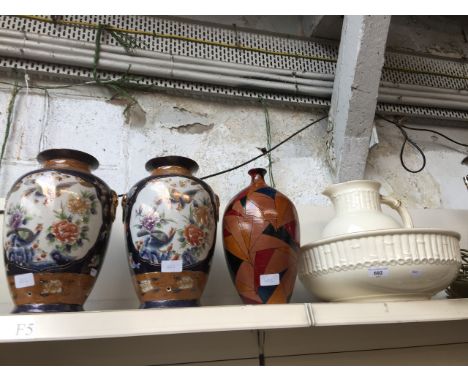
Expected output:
(261, 242)
(56, 230)
(170, 225)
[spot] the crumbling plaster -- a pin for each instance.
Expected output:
(218, 135)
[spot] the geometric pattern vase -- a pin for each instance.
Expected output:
(261, 242)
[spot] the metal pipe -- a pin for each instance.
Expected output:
(425, 102)
(162, 56)
(76, 53)
(422, 94)
(54, 49)
(170, 73)
(427, 89)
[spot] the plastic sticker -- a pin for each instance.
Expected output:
(269, 280)
(93, 272)
(378, 272)
(171, 266)
(25, 280)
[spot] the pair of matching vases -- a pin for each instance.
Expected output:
(58, 222)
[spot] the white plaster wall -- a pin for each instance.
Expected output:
(439, 185)
(218, 135)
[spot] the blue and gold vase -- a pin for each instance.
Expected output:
(56, 230)
(170, 225)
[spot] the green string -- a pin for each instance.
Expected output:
(128, 42)
(115, 85)
(118, 86)
(97, 51)
(268, 133)
(11, 106)
(125, 81)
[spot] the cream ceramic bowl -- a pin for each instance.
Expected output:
(383, 265)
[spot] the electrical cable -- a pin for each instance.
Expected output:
(412, 143)
(265, 152)
(407, 139)
(426, 130)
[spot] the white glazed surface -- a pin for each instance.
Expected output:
(386, 265)
(357, 208)
(176, 213)
(58, 214)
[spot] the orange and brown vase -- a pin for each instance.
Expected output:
(170, 225)
(261, 242)
(56, 230)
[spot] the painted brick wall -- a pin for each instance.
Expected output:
(218, 135)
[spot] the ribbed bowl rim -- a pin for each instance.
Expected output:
(381, 232)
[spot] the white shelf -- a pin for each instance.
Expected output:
(334, 314)
(130, 323)
(133, 323)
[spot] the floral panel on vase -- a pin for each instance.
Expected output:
(171, 231)
(56, 230)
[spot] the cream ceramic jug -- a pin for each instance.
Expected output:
(358, 208)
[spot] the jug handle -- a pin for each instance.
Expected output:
(400, 208)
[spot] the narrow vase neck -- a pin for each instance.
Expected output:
(257, 177)
(170, 170)
(67, 164)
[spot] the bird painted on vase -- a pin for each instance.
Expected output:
(180, 199)
(46, 193)
(60, 259)
(20, 249)
(151, 248)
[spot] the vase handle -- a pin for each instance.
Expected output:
(400, 208)
(217, 207)
(114, 204)
(124, 205)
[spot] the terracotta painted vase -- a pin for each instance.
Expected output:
(56, 230)
(261, 242)
(170, 224)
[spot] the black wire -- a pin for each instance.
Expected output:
(427, 130)
(412, 143)
(402, 161)
(264, 152)
(401, 127)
